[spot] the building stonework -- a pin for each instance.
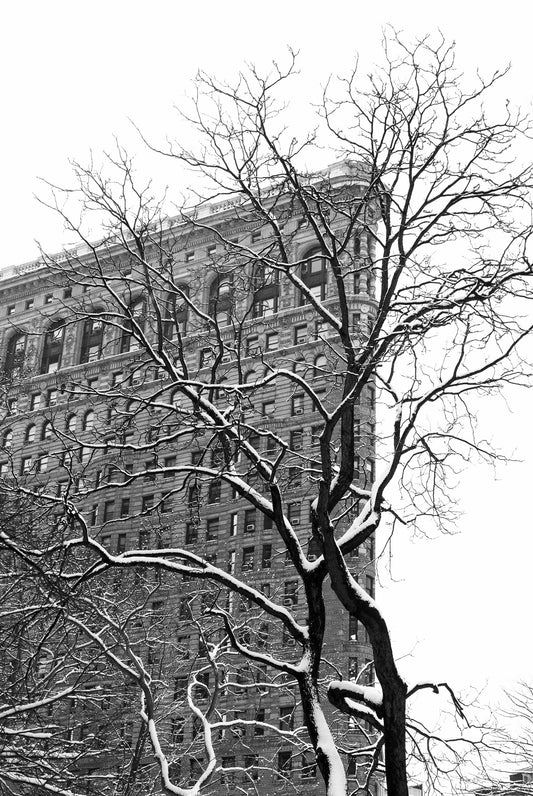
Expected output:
(81, 396)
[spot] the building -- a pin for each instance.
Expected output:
(94, 411)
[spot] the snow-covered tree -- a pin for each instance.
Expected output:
(392, 321)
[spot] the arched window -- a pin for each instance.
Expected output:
(46, 431)
(176, 312)
(88, 421)
(265, 284)
(250, 377)
(300, 367)
(92, 339)
(320, 365)
(314, 275)
(7, 439)
(221, 299)
(16, 348)
(134, 323)
(53, 347)
(30, 433)
(72, 422)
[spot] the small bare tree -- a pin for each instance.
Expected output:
(351, 257)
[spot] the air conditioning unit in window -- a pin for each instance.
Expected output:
(250, 526)
(299, 410)
(226, 358)
(287, 601)
(294, 522)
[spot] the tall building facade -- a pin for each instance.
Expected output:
(95, 359)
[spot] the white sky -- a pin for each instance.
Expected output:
(73, 73)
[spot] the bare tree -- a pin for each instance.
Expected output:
(349, 256)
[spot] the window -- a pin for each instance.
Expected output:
(313, 549)
(252, 345)
(149, 475)
(133, 326)
(147, 503)
(214, 491)
(286, 717)
(35, 402)
(256, 236)
(67, 292)
(249, 520)
(266, 556)
(206, 357)
(269, 407)
(316, 432)
(353, 627)
(290, 592)
(51, 398)
(191, 533)
(265, 284)
(49, 297)
(94, 514)
(121, 543)
(71, 423)
(88, 421)
(7, 439)
(53, 347)
(176, 312)
(30, 434)
(221, 299)
(259, 717)
(212, 528)
(297, 440)
(368, 672)
(320, 366)
(297, 405)
(271, 341)
(92, 339)
(109, 510)
(193, 498)
(300, 334)
(295, 477)
(189, 257)
(284, 764)
(12, 405)
(293, 511)
(308, 767)
(371, 548)
(42, 463)
(10, 309)
(228, 762)
(369, 585)
(314, 275)
(169, 462)
(247, 558)
(46, 431)
(233, 524)
(124, 507)
(26, 464)
(251, 762)
(16, 348)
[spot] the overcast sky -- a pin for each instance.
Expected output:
(74, 74)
